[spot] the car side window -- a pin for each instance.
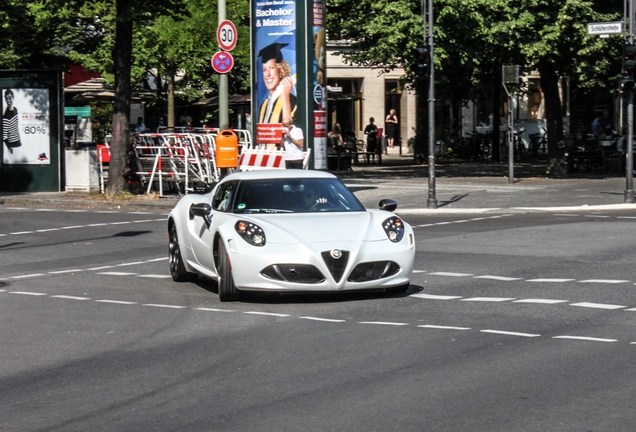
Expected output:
(223, 196)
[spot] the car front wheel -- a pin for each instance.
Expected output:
(227, 289)
(177, 268)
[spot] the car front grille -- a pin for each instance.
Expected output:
(336, 266)
(373, 270)
(296, 273)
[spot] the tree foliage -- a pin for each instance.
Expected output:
(473, 38)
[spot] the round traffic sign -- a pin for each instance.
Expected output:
(222, 62)
(226, 35)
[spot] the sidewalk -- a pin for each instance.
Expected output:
(459, 188)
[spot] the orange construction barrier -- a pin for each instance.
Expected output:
(226, 149)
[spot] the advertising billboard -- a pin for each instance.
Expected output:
(276, 67)
(26, 126)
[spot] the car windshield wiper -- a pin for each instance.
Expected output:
(264, 211)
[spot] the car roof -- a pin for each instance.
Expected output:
(278, 173)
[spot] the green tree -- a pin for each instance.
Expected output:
(473, 38)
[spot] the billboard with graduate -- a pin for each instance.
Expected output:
(276, 67)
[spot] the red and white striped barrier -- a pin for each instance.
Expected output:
(260, 159)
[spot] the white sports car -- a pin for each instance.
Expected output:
(288, 230)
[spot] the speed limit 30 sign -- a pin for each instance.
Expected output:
(226, 35)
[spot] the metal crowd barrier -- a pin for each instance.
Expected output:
(184, 158)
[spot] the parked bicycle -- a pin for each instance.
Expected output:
(539, 144)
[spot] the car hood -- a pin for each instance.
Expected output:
(323, 227)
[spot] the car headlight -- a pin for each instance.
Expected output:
(394, 228)
(251, 233)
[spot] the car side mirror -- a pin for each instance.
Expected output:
(201, 210)
(388, 205)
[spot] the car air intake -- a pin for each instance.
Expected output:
(373, 270)
(336, 262)
(296, 273)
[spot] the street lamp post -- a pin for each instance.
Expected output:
(431, 202)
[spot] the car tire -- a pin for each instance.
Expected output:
(400, 289)
(177, 267)
(227, 290)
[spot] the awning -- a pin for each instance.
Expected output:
(338, 97)
(231, 99)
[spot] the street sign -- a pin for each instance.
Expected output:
(226, 35)
(222, 62)
(605, 28)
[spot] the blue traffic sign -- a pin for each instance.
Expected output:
(222, 62)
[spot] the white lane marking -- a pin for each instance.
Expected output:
(214, 310)
(28, 293)
(164, 306)
(27, 276)
(100, 268)
(120, 223)
(22, 232)
(607, 281)
(431, 326)
(140, 212)
(266, 314)
(499, 278)
(47, 230)
(159, 220)
(435, 297)
(419, 271)
(584, 338)
(449, 274)
(597, 216)
(107, 211)
(75, 211)
(488, 299)
(121, 302)
(626, 217)
(322, 319)
(541, 301)
(97, 224)
(383, 323)
(509, 333)
(553, 280)
(43, 210)
(3, 235)
(598, 305)
(16, 208)
(66, 271)
(566, 215)
(154, 276)
(68, 297)
(130, 263)
(117, 273)
(73, 227)
(158, 259)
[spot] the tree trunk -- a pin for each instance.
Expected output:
(122, 58)
(554, 118)
(171, 121)
(420, 147)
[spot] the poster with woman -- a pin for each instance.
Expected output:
(276, 92)
(25, 126)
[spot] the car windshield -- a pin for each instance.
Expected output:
(294, 195)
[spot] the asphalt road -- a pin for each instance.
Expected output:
(513, 322)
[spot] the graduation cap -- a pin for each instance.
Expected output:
(272, 52)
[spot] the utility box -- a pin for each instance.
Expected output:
(82, 169)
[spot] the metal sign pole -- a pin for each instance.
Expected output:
(629, 174)
(431, 202)
(224, 116)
